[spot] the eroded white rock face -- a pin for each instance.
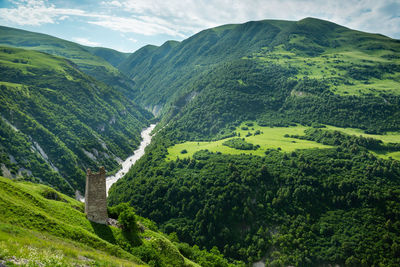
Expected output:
(259, 264)
(6, 172)
(89, 155)
(9, 124)
(36, 147)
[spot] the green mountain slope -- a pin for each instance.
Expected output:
(111, 56)
(41, 227)
(322, 66)
(282, 205)
(57, 121)
(96, 62)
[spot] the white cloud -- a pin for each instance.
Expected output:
(63, 17)
(189, 16)
(134, 25)
(182, 18)
(132, 40)
(374, 17)
(85, 41)
(115, 3)
(36, 12)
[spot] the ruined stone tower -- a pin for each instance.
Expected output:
(95, 196)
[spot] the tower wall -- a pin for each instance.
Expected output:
(95, 196)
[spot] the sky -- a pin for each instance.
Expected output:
(127, 25)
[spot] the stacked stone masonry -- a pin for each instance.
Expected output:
(96, 197)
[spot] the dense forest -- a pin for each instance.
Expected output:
(309, 206)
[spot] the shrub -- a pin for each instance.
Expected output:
(52, 194)
(115, 211)
(239, 143)
(127, 219)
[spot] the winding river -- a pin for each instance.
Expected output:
(128, 163)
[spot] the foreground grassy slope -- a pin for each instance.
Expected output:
(31, 248)
(96, 62)
(34, 222)
(53, 114)
(42, 227)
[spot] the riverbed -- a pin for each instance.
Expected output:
(137, 154)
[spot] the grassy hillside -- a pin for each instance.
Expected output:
(41, 227)
(30, 216)
(96, 62)
(57, 121)
(309, 38)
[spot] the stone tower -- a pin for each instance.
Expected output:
(95, 196)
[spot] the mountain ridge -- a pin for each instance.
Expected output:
(223, 43)
(92, 61)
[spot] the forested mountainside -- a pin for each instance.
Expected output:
(97, 62)
(57, 121)
(279, 141)
(302, 67)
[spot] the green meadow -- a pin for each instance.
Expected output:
(390, 137)
(274, 138)
(269, 138)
